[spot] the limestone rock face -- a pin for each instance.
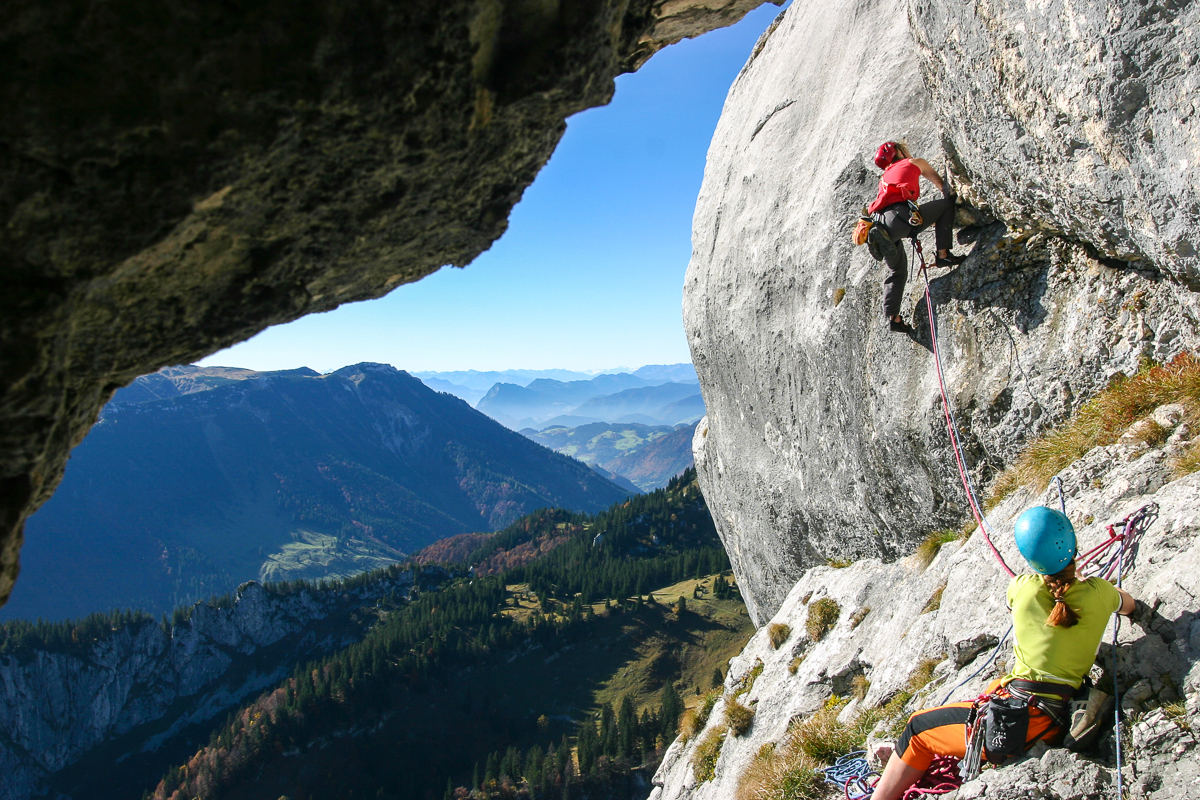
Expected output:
(825, 435)
(175, 180)
(887, 625)
(1079, 118)
(142, 685)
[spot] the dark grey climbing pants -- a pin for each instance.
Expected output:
(895, 222)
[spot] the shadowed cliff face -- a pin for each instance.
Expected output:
(177, 176)
(825, 437)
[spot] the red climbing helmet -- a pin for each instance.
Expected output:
(885, 155)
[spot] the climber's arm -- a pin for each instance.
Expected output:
(1128, 604)
(929, 173)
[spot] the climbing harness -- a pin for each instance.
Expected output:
(914, 214)
(951, 425)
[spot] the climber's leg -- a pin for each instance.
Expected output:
(893, 284)
(896, 224)
(939, 731)
(940, 214)
(896, 779)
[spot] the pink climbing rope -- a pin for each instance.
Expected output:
(940, 778)
(951, 428)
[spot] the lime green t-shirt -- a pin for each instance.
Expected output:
(1062, 655)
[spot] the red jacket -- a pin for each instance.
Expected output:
(900, 182)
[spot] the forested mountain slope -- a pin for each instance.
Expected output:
(277, 477)
(470, 673)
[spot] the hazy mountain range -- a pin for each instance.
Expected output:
(197, 479)
(472, 385)
(646, 455)
(622, 397)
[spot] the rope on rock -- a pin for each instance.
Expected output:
(1129, 526)
(940, 778)
(853, 774)
(951, 425)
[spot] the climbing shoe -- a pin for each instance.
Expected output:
(950, 260)
(878, 243)
(900, 327)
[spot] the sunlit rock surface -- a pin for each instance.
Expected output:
(1078, 118)
(886, 627)
(176, 177)
(825, 437)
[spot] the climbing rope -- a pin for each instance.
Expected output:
(940, 778)
(951, 424)
(1116, 630)
(853, 774)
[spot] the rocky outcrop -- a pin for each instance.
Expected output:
(143, 684)
(174, 180)
(824, 436)
(887, 625)
(1076, 118)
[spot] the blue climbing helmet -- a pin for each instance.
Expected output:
(1046, 538)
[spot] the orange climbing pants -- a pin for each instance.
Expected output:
(942, 731)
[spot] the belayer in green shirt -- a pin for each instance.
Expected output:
(1058, 622)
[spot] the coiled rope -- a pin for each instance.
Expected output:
(853, 774)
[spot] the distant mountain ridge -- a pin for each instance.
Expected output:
(607, 398)
(276, 476)
(474, 385)
(649, 456)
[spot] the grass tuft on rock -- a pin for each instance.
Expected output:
(694, 719)
(858, 616)
(781, 774)
(738, 718)
(704, 758)
(932, 544)
(746, 682)
(824, 738)
(1177, 713)
(1102, 421)
(935, 600)
(795, 663)
(822, 617)
(778, 633)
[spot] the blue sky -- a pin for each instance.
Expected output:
(589, 274)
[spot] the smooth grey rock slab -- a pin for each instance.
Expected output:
(825, 436)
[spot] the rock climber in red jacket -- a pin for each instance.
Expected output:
(894, 221)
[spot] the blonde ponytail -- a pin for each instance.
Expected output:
(1062, 615)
